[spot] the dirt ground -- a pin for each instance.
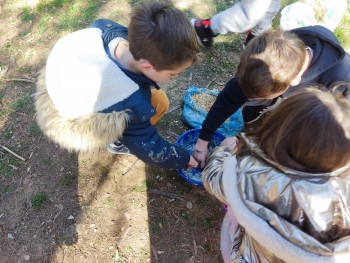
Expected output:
(57, 206)
(61, 207)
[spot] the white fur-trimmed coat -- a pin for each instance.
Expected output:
(90, 132)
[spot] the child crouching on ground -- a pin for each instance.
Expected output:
(290, 200)
(273, 65)
(100, 86)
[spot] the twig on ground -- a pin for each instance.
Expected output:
(80, 250)
(13, 153)
(130, 167)
(23, 80)
(180, 251)
(13, 167)
(195, 248)
(219, 83)
(177, 218)
(169, 195)
(173, 134)
(190, 76)
(154, 252)
(54, 219)
(210, 82)
(174, 108)
(120, 242)
(3, 71)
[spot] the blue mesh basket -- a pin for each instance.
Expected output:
(188, 140)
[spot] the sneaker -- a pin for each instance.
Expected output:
(248, 37)
(253, 113)
(118, 148)
(204, 33)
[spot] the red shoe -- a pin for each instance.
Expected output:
(204, 32)
(248, 37)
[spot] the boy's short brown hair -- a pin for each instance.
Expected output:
(270, 62)
(163, 35)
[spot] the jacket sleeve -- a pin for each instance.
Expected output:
(143, 140)
(243, 15)
(212, 175)
(229, 100)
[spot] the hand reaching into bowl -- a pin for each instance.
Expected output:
(193, 163)
(200, 152)
(231, 143)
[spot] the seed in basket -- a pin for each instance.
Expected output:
(204, 100)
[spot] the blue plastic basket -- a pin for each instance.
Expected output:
(188, 140)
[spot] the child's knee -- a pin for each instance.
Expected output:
(160, 102)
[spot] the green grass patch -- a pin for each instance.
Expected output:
(223, 5)
(139, 188)
(8, 168)
(78, 15)
(24, 146)
(45, 160)
(134, 2)
(5, 190)
(4, 112)
(104, 171)
(9, 48)
(20, 104)
(8, 133)
(68, 180)
(43, 24)
(39, 200)
(25, 69)
(342, 31)
(34, 130)
(14, 161)
(109, 202)
(208, 223)
(27, 14)
(50, 6)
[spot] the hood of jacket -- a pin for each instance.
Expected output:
(288, 215)
(327, 52)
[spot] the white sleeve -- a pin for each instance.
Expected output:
(244, 15)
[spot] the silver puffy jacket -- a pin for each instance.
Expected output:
(284, 215)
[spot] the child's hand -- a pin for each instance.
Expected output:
(193, 163)
(200, 152)
(231, 143)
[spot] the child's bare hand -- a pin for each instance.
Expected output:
(193, 163)
(231, 143)
(200, 152)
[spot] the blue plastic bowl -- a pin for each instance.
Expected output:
(188, 140)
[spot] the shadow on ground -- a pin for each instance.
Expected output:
(58, 206)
